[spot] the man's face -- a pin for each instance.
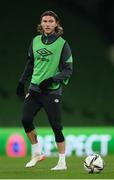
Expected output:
(48, 24)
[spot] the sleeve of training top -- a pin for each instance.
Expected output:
(28, 70)
(66, 64)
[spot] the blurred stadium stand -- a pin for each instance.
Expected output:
(89, 29)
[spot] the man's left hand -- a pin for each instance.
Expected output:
(46, 83)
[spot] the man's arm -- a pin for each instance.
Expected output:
(28, 70)
(66, 65)
(26, 73)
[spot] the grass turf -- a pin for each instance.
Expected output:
(14, 168)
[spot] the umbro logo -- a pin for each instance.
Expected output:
(44, 52)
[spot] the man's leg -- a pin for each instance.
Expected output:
(32, 135)
(36, 150)
(61, 147)
(31, 107)
(62, 162)
(53, 108)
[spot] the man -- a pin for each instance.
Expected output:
(49, 64)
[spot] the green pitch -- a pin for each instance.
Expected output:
(13, 168)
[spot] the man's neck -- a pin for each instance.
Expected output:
(49, 38)
(52, 33)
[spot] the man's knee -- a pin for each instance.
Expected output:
(27, 124)
(59, 137)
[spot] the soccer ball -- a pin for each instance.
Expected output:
(94, 163)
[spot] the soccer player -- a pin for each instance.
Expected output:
(49, 65)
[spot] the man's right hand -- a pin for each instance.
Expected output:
(20, 90)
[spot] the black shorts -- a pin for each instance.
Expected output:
(51, 103)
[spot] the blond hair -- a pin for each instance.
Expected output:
(58, 29)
